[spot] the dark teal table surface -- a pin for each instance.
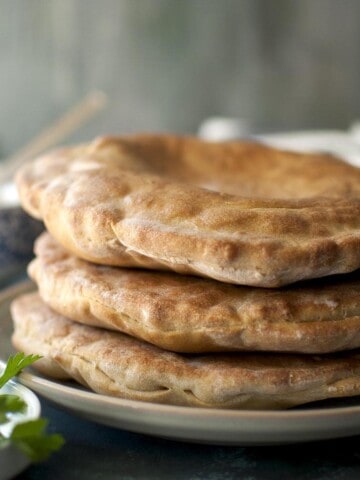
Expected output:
(96, 452)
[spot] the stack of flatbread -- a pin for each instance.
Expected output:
(193, 273)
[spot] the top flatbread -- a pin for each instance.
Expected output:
(147, 201)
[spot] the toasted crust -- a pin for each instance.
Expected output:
(275, 217)
(188, 314)
(115, 364)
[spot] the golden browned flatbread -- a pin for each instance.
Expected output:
(115, 364)
(237, 212)
(189, 314)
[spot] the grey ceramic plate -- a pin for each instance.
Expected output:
(184, 423)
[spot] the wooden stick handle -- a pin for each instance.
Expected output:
(64, 126)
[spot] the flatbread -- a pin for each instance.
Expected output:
(115, 364)
(237, 212)
(189, 314)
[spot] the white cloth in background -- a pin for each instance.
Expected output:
(345, 144)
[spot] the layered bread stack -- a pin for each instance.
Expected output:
(168, 273)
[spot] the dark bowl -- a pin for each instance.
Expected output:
(17, 234)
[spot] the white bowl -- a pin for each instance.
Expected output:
(12, 461)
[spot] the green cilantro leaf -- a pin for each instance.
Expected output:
(10, 404)
(30, 437)
(15, 364)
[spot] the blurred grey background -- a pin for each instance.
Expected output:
(168, 64)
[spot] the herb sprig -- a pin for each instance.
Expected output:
(30, 436)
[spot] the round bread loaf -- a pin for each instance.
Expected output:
(237, 212)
